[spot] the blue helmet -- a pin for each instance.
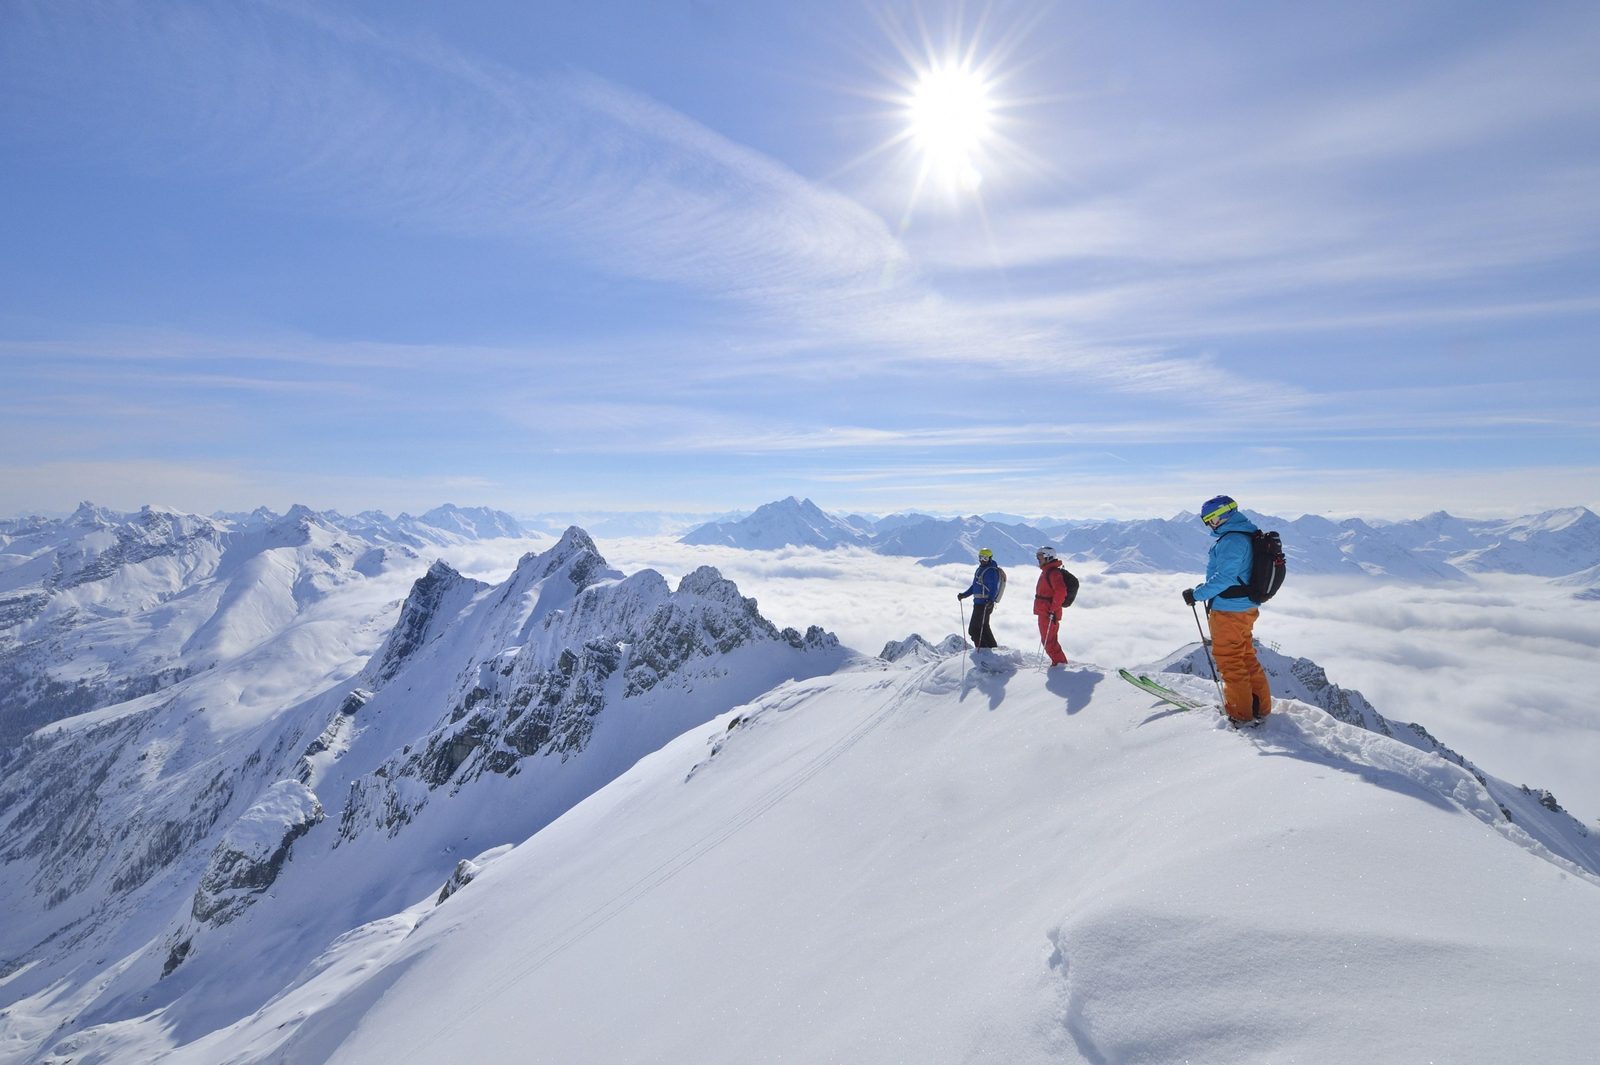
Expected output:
(1214, 508)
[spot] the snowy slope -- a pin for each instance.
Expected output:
(1535, 811)
(1587, 582)
(190, 851)
(903, 863)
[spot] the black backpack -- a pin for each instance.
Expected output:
(1070, 583)
(1268, 567)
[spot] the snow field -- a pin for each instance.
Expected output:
(895, 865)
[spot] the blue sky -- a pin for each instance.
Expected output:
(1328, 258)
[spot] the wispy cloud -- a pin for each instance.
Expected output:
(1446, 189)
(746, 319)
(1538, 70)
(352, 120)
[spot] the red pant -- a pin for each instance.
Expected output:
(1047, 635)
(1245, 692)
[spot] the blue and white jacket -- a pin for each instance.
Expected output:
(985, 582)
(1228, 564)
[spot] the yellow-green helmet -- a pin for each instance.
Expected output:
(984, 552)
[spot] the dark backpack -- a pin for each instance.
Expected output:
(1070, 583)
(1267, 568)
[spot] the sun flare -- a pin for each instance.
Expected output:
(955, 100)
(949, 117)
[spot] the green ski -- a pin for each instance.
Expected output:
(1162, 692)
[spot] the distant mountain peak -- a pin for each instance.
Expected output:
(91, 515)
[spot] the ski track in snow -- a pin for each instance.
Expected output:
(1070, 1005)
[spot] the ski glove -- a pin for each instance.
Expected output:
(1188, 596)
(961, 595)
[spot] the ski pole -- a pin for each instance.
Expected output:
(963, 606)
(1207, 648)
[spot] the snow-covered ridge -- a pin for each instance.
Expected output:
(1535, 812)
(153, 836)
(911, 862)
(1438, 547)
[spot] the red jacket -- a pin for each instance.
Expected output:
(1051, 593)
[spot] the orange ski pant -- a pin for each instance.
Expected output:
(1245, 691)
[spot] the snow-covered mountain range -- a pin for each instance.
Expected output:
(368, 808)
(100, 607)
(1560, 543)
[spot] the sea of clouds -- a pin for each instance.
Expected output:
(1501, 669)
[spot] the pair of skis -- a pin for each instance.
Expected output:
(1162, 692)
(1178, 699)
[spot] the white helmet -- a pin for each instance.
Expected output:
(1045, 554)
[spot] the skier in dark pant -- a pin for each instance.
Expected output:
(984, 590)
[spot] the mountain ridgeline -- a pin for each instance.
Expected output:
(168, 829)
(1561, 544)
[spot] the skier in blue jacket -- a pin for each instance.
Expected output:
(984, 590)
(1246, 694)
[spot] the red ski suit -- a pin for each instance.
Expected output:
(1048, 600)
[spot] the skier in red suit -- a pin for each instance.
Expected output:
(1052, 596)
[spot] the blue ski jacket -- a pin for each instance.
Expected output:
(1228, 564)
(985, 582)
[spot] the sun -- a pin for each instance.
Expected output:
(950, 120)
(952, 108)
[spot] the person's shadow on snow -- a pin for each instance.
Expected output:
(988, 677)
(989, 683)
(1076, 686)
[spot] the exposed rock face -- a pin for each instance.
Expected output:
(245, 864)
(469, 869)
(464, 874)
(570, 639)
(109, 808)
(254, 850)
(434, 599)
(334, 739)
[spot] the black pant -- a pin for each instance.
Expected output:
(979, 629)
